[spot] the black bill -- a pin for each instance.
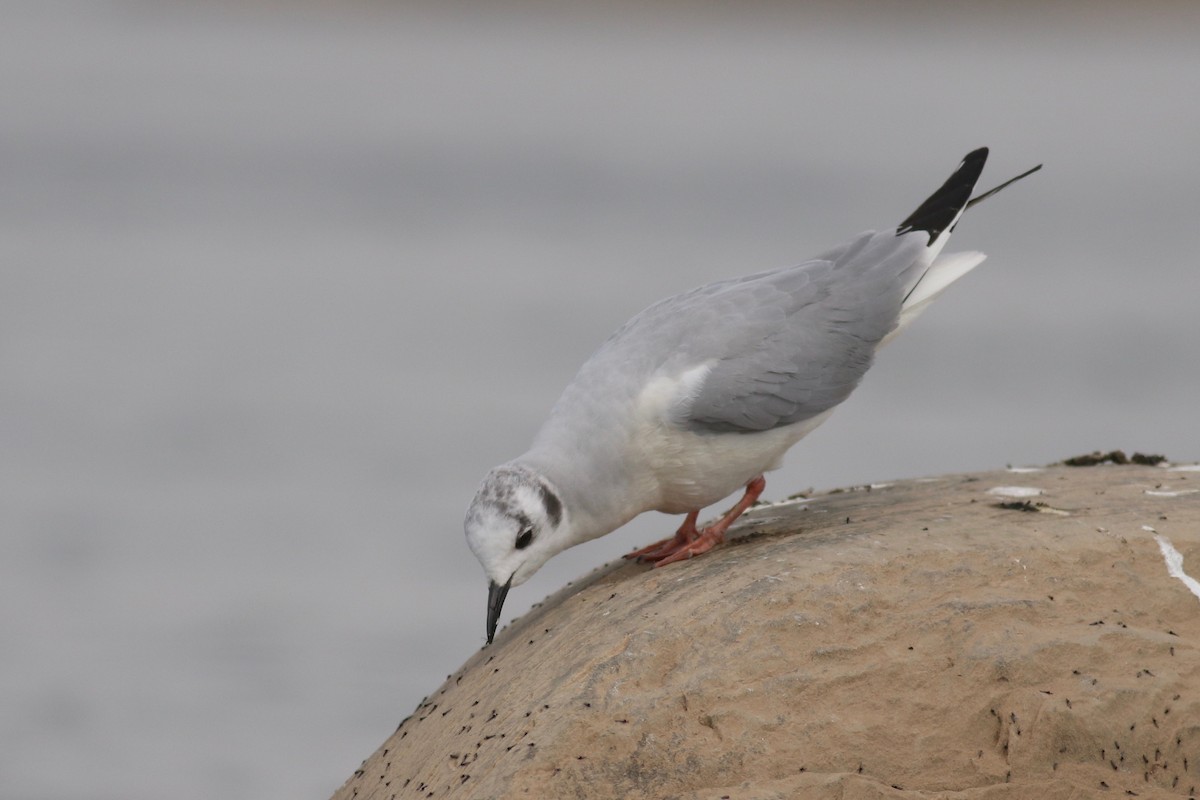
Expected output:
(496, 595)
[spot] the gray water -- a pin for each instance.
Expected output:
(278, 284)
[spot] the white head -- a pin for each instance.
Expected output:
(516, 522)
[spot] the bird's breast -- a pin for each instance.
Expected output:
(685, 470)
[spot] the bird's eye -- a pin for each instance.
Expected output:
(524, 538)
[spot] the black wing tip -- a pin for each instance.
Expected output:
(978, 153)
(938, 211)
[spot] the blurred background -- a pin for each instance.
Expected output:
(279, 282)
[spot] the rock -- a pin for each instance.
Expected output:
(925, 638)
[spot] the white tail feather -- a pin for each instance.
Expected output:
(935, 247)
(941, 273)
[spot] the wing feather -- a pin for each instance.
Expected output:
(792, 344)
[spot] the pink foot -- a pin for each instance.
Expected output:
(686, 534)
(689, 542)
(706, 541)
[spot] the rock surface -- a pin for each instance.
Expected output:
(915, 639)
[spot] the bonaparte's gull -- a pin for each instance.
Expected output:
(701, 393)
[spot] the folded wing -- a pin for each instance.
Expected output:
(786, 346)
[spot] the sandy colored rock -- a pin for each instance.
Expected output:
(909, 640)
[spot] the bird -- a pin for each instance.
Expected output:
(702, 393)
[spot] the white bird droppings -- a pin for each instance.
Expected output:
(791, 501)
(1154, 493)
(1174, 561)
(1015, 491)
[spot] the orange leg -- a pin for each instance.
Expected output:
(689, 542)
(686, 534)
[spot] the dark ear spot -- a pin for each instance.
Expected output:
(552, 503)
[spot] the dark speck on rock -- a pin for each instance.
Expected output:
(1018, 505)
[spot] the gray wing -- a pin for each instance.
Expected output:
(790, 344)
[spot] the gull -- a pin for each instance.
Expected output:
(702, 393)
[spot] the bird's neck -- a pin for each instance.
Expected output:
(598, 501)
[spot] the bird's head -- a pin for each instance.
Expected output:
(515, 523)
